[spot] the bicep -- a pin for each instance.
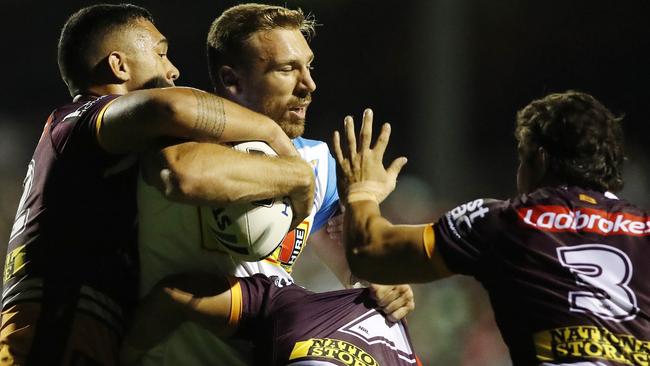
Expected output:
(123, 126)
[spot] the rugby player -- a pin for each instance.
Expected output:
(288, 324)
(564, 263)
(259, 57)
(70, 276)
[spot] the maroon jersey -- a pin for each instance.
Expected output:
(75, 225)
(566, 272)
(293, 326)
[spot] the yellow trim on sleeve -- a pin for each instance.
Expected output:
(236, 302)
(100, 117)
(428, 239)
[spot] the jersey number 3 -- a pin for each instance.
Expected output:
(603, 273)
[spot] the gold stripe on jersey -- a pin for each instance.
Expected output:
(236, 303)
(584, 197)
(100, 117)
(428, 240)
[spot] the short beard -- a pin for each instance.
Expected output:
(292, 129)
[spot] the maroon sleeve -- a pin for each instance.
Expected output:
(75, 129)
(258, 298)
(466, 235)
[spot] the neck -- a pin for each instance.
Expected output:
(105, 89)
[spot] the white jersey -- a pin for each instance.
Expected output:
(170, 241)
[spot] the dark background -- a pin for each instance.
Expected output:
(448, 74)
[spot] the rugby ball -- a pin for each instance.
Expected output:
(250, 231)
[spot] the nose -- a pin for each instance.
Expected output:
(307, 82)
(172, 72)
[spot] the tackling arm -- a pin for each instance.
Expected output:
(381, 252)
(135, 120)
(216, 175)
(203, 299)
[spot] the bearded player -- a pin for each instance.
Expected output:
(259, 57)
(564, 263)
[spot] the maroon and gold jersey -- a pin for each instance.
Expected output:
(75, 225)
(566, 270)
(293, 326)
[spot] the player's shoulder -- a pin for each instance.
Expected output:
(572, 196)
(476, 213)
(77, 109)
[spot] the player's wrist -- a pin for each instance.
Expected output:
(366, 191)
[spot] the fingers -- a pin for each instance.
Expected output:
(382, 139)
(400, 313)
(349, 134)
(338, 153)
(301, 207)
(335, 227)
(397, 165)
(336, 142)
(395, 301)
(365, 136)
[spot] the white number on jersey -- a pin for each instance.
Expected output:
(22, 214)
(603, 272)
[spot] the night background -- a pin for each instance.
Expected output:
(448, 74)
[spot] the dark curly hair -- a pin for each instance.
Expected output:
(583, 139)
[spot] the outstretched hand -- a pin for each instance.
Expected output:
(363, 174)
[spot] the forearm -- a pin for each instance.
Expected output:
(381, 252)
(156, 317)
(205, 300)
(137, 119)
(216, 175)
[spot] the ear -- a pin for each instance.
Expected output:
(230, 80)
(119, 66)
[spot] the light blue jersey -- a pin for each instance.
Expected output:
(171, 240)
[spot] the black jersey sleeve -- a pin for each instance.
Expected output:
(465, 236)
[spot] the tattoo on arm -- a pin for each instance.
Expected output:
(210, 114)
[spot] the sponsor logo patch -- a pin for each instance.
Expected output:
(14, 263)
(586, 341)
(291, 246)
(86, 106)
(462, 218)
(334, 349)
(561, 219)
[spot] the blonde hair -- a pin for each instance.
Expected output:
(230, 30)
